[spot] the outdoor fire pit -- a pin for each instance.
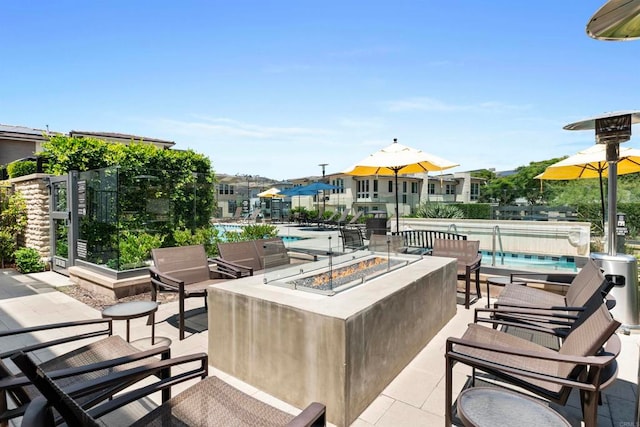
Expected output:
(341, 349)
(337, 273)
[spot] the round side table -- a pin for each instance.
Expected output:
(133, 310)
(490, 407)
(500, 281)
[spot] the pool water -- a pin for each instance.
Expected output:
(287, 239)
(519, 260)
(237, 228)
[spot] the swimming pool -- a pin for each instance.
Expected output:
(529, 261)
(237, 228)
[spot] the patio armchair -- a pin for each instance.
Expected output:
(99, 358)
(352, 238)
(469, 258)
(583, 295)
(585, 361)
(187, 271)
(210, 401)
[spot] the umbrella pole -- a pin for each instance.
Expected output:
(397, 213)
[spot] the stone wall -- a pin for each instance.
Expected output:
(36, 194)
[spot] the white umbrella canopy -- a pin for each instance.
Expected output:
(397, 159)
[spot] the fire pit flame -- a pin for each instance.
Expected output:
(325, 278)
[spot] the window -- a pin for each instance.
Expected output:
(404, 186)
(414, 188)
(450, 189)
(390, 186)
(338, 182)
(363, 189)
(475, 191)
(432, 188)
(375, 188)
(225, 189)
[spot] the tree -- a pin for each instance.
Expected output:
(527, 186)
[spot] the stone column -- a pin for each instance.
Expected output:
(36, 194)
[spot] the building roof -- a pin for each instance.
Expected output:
(22, 133)
(121, 137)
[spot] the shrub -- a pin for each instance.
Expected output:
(7, 246)
(208, 237)
(13, 214)
(438, 210)
(135, 249)
(28, 261)
(475, 210)
(258, 231)
(22, 168)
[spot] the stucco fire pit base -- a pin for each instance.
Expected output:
(341, 350)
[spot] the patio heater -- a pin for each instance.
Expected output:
(612, 129)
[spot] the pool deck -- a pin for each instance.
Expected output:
(414, 398)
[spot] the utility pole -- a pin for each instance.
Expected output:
(323, 165)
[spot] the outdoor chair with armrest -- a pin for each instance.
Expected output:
(586, 361)
(469, 259)
(352, 238)
(101, 357)
(585, 292)
(187, 271)
(210, 401)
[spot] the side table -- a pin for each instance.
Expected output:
(133, 310)
(500, 281)
(489, 406)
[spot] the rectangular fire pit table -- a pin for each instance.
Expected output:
(342, 350)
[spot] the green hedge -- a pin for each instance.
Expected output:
(26, 167)
(475, 210)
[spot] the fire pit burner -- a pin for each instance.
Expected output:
(328, 281)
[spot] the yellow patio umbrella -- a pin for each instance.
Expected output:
(592, 163)
(397, 159)
(271, 193)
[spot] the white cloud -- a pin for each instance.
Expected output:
(435, 105)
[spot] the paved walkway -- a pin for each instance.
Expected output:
(414, 398)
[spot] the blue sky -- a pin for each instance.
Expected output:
(273, 88)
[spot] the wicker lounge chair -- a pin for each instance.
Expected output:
(469, 259)
(187, 271)
(102, 357)
(581, 362)
(211, 401)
